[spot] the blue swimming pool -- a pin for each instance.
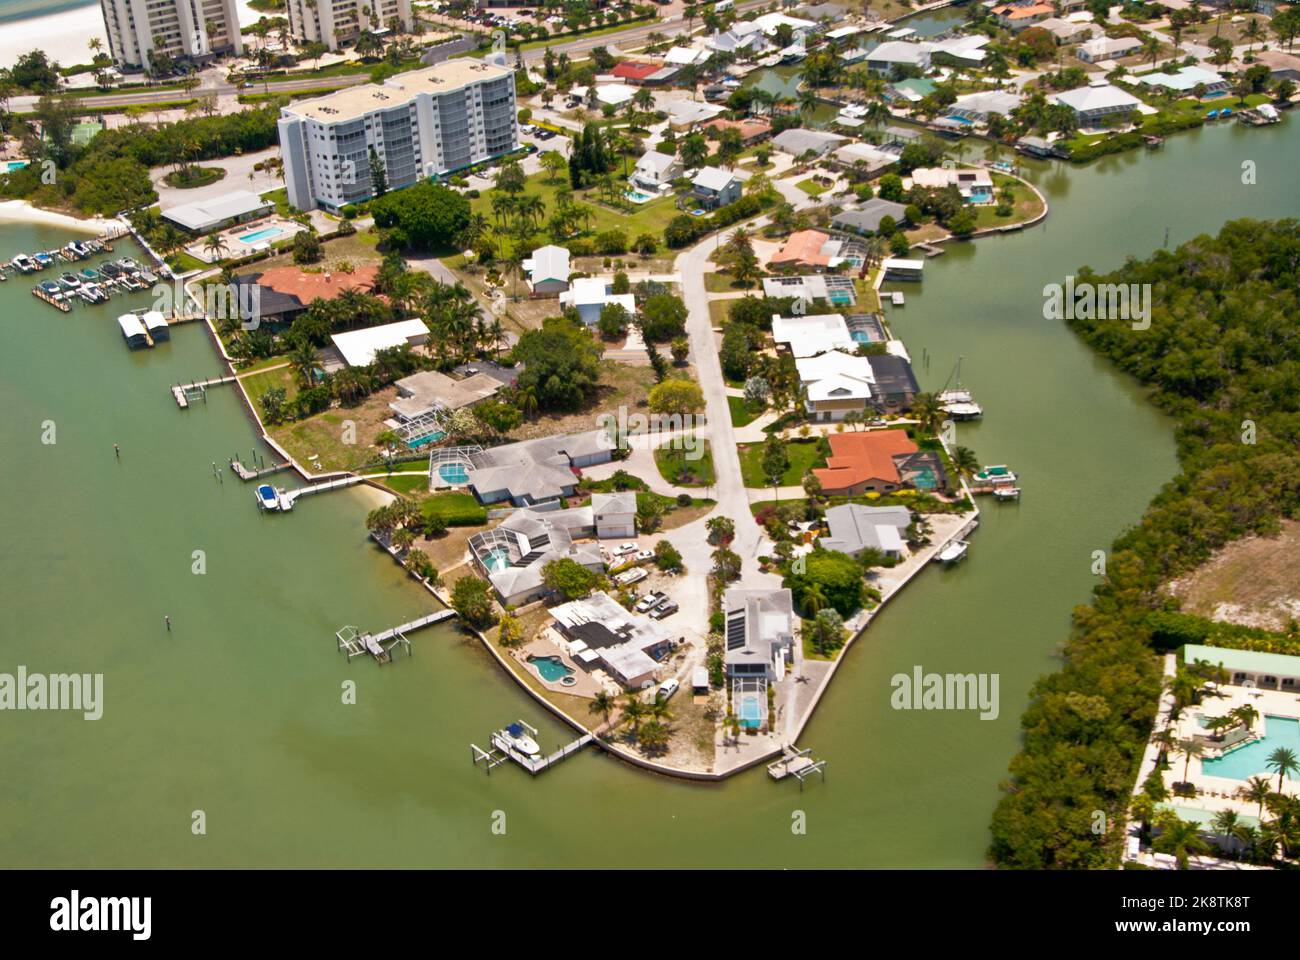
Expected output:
(751, 717)
(551, 669)
(257, 236)
(497, 559)
(861, 336)
(1251, 760)
(425, 441)
(453, 473)
(12, 165)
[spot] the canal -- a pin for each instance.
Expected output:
(238, 712)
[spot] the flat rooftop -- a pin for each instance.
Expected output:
(353, 102)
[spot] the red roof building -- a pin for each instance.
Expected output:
(636, 72)
(864, 462)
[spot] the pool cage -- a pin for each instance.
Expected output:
(749, 701)
(449, 466)
(422, 429)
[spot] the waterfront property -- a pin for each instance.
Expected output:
(1095, 103)
(866, 218)
(602, 635)
(835, 384)
(341, 20)
(536, 472)
(513, 554)
(423, 123)
(877, 461)
(172, 28)
(809, 249)
(863, 158)
(811, 334)
(797, 142)
(759, 633)
(855, 527)
(978, 107)
(894, 382)
(974, 183)
(835, 290)
(357, 348)
(431, 391)
(217, 213)
(1188, 80)
(280, 294)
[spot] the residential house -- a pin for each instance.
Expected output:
(513, 554)
(536, 472)
(1067, 31)
(548, 271)
(714, 187)
(811, 334)
(430, 391)
(645, 74)
(276, 296)
(1106, 48)
(655, 171)
(1281, 65)
(797, 141)
(974, 183)
(204, 216)
(884, 57)
(614, 514)
(759, 633)
(893, 382)
(357, 348)
(967, 51)
(603, 635)
(1018, 16)
(864, 158)
(1187, 80)
(751, 131)
(911, 90)
(978, 107)
(877, 461)
(854, 527)
(1094, 104)
(590, 295)
(812, 249)
(835, 383)
(866, 218)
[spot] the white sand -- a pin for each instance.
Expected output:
(64, 36)
(20, 211)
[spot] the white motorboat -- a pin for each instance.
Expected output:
(1007, 493)
(267, 498)
(518, 737)
(953, 552)
(958, 402)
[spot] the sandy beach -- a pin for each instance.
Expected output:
(65, 36)
(20, 211)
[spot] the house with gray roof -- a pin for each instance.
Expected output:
(603, 634)
(535, 472)
(548, 271)
(797, 141)
(614, 514)
(855, 527)
(866, 219)
(714, 187)
(759, 632)
(514, 554)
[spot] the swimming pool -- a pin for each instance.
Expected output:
(257, 236)
(453, 472)
(424, 441)
(497, 559)
(12, 165)
(551, 669)
(1251, 760)
(639, 196)
(964, 121)
(751, 718)
(861, 336)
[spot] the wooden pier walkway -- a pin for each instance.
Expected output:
(355, 643)
(292, 495)
(183, 393)
(502, 750)
(244, 473)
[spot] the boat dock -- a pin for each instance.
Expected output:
(186, 393)
(241, 471)
(798, 764)
(502, 750)
(355, 643)
(290, 497)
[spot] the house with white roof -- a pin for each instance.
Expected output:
(686, 114)
(615, 94)
(975, 184)
(1067, 31)
(855, 527)
(1186, 80)
(759, 633)
(1094, 103)
(357, 348)
(548, 271)
(714, 187)
(982, 105)
(685, 56)
(655, 171)
(809, 335)
(1107, 48)
(835, 383)
(215, 213)
(884, 57)
(967, 51)
(590, 295)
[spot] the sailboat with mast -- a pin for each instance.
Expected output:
(957, 402)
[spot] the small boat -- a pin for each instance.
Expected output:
(88, 274)
(51, 288)
(1225, 112)
(517, 737)
(69, 281)
(267, 498)
(1212, 114)
(958, 402)
(1002, 166)
(43, 260)
(953, 552)
(998, 475)
(110, 269)
(23, 263)
(1006, 493)
(149, 278)
(128, 265)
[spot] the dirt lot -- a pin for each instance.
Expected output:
(1254, 582)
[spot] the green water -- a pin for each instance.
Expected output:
(237, 712)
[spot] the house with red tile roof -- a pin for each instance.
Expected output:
(1017, 16)
(284, 292)
(877, 461)
(751, 131)
(807, 248)
(647, 74)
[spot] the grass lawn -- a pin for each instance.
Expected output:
(741, 412)
(325, 434)
(1026, 205)
(259, 383)
(674, 464)
(803, 454)
(812, 187)
(719, 311)
(407, 484)
(458, 509)
(715, 281)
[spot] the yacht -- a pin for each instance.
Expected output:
(110, 269)
(23, 263)
(88, 274)
(995, 476)
(128, 265)
(958, 402)
(518, 737)
(69, 281)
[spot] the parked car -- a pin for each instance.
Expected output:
(649, 600)
(645, 555)
(544, 134)
(664, 610)
(526, 128)
(667, 689)
(623, 549)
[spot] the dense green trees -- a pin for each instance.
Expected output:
(561, 364)
(1223, 356)
(828, 579)
(422, 217)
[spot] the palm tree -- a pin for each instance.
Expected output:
(1188, 748)
(1180, 838)
(814, 599)
(1257, 791)
(964, 461)
(633, 709)
(1283, 760)
(215, 245)
(926, 410)
(602, 703)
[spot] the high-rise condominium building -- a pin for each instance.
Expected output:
(193, 29)
(426, 122)
(334, 21)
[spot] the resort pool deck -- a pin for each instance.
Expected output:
(1252, 759)
(260, 236)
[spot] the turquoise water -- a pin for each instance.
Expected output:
(1251, 760)
(12, 165)
(498, 559)
(454, 473)
(750, 716)
(257, 236)
(552, 669)
(425, 441)
(638, 196)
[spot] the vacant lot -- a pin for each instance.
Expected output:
(803, 456)
(1254, 582)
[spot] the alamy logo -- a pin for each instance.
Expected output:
(77, 913)
(946, 691)
(1098, 301)
(55, 691)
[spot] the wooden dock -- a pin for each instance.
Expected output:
(241, 471)
(355, 643)
(184, 393)
(502, 750)
(798, 764)
(291, 496)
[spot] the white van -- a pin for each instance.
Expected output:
(722, 6)
(667, 689)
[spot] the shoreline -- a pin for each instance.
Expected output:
(23, 211)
